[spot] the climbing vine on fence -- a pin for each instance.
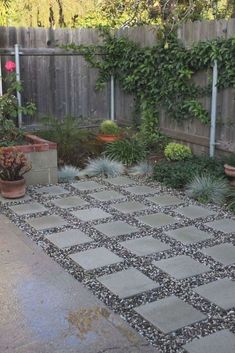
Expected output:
(161, 76)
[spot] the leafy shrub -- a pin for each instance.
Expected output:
(67, 173)
(143, 169)
(109, 127)
(207, 188)
(103, 167)
(69, 137)
(127, 151)
(178, 174)
(231, 160)
(10, 135)
(177, 152)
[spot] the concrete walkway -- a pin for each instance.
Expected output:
(45, 310)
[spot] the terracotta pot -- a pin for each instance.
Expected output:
(13, 189)
(229, 170)
(108, 138)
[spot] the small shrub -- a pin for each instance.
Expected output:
(177, 152)
(109, 127)
(231, 160)
(207, 188)
(179, 174)
(67, 173)
(231, 200)
(127, 151)
(142, 169)
(103, 167)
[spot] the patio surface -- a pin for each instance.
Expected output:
(163, 262)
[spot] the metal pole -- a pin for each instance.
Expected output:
(213, 109)
(1, 90)
(17, 61)
(112, 100)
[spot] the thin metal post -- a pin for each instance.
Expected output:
(17, 61)
(1, 90)
(213, 109)
(112, 99)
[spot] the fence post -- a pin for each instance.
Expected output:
(213, 109)
(112, 98)
(17, 61)
(1, 90)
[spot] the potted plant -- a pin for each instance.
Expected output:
(13, 165)
(109, 131)
(229, 168)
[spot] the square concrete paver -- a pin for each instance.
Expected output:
(195, 211)
(87, 185)
(52, 190)
(68, 238)
(219, 342)
(107, 195)
(10, 201)
(95, 258)
(120, 181)
(145, 246)
(91, 214)
(224, 253)
(220, 292)
(157, 220)
(28, 208)
(141, 190)
(130, 206)
(188, 235)
(113, 229)
(71, 201)
(170, 314)
(46, 222)
(127, 283)
(225, 225)
(181, 266)
(165, 200)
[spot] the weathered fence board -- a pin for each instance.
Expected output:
(61, 83)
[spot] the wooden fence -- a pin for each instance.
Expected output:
(64, 84)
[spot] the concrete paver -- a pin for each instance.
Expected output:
(141, 190)
(113, 229)
(95, 258)
(52, 190)
(170, 314)
(130, 206)
(165, 200)
(91, 214)
(68, 238)
(219, 342)
(107, 195)
(127, 283)
(157, 220)
(224, 253)
(71, 201)
(46, 222)
(188, 235)
(225, 225)
(220, 292)
(181, 266)
(193, 211)
(145, 246)
(87, 185)
(120, 181)
(45, 310)
(28, 208)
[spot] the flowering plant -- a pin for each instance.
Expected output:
(8, 102)
(13, 165)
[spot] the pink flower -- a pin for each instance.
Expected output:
(10, 66)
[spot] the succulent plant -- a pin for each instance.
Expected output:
(67, 173)
(103, 167)
(142, 169)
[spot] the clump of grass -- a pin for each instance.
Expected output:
(207, 188)
(67, 173)
(142, 169)
(103, 167)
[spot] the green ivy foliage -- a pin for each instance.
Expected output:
(160, 77)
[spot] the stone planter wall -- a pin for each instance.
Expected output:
(43, 156)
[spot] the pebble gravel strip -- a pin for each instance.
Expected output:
(216, 317)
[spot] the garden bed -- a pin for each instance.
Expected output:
(43, 156)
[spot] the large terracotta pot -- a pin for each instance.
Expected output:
(13, 189)
(108, 138)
